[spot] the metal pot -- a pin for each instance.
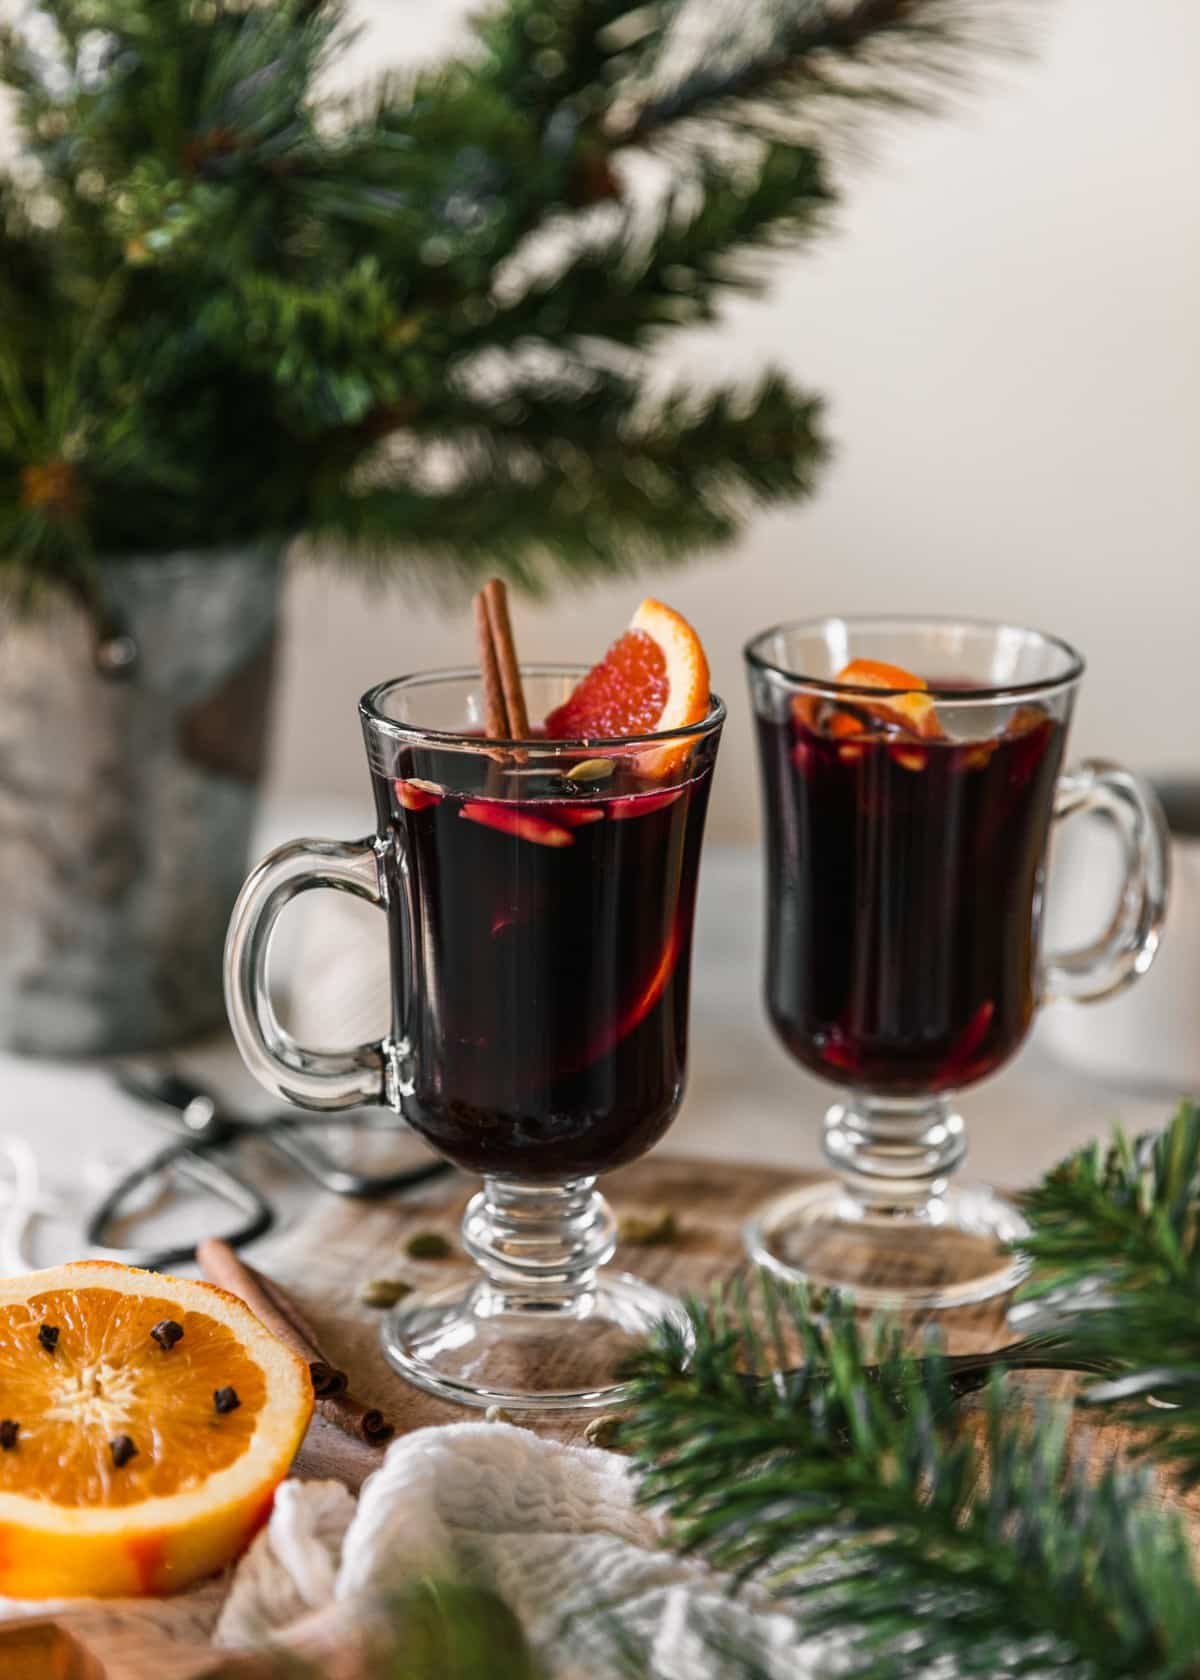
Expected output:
(126, 800)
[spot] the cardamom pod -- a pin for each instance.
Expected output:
(384, 1292)
(655, 1230)
(603, 1431)
(591, 770)
(428, 1245)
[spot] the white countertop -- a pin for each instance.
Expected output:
(747, 1100)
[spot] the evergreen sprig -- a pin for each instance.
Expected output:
(895, 51)
(1116, 1245)
(923, 1547)
(415, 320)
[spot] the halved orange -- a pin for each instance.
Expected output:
(653, 677)
(910, 706)
(145, 1423)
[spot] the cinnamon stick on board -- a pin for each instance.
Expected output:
(275, 1308)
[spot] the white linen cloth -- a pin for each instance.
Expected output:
(554, 1530)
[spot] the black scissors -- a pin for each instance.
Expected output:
(202, 1129)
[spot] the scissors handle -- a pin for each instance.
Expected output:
(344, 1181)
(209, 1175)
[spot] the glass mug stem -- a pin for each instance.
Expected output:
(539, 1245)
(893, 1154)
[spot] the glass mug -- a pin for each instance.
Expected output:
(539, 899)
(906, 840)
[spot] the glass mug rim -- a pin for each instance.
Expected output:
(1075, 664)
(369, 708)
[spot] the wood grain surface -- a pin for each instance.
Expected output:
(324, 1263)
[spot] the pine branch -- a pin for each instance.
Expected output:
(884, 50)
(322, 348)
(440, 177)
(1116, 1238)
(1128, 1212)
(557, 59)
(631, 284)
(855, 1501)
(760, 440)
(598, 498)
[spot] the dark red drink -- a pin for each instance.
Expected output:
(546, 1000)
(905, 881)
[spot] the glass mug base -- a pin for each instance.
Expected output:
(950, 1250)
(479, 1346)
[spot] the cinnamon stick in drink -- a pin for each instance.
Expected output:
(495, 598)
(495, 706)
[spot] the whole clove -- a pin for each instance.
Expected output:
(166, 1333)
(9, 1430)
(225, 1400)
(122, 1449)
(48, 1336)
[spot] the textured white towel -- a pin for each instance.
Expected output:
(554, 1530)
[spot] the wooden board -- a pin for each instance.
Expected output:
(343, 1244)
(325, 1261)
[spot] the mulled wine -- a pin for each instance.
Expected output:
(905, 880)
(911, 772)
(541, 981)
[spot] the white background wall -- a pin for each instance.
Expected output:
(1006, 327)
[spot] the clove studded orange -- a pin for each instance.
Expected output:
(145, 1422)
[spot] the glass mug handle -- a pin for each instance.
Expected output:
(320, 1079)
(1126, 947)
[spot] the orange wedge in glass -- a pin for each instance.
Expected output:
(145, 1423)
(654, 677)
(909, 705)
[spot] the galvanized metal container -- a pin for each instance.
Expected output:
(126, 801)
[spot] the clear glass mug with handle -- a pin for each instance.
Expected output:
(539, 897)
(906, 834)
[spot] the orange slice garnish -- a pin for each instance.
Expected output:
(654, 677)
(133, 1458)
(910, 707)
